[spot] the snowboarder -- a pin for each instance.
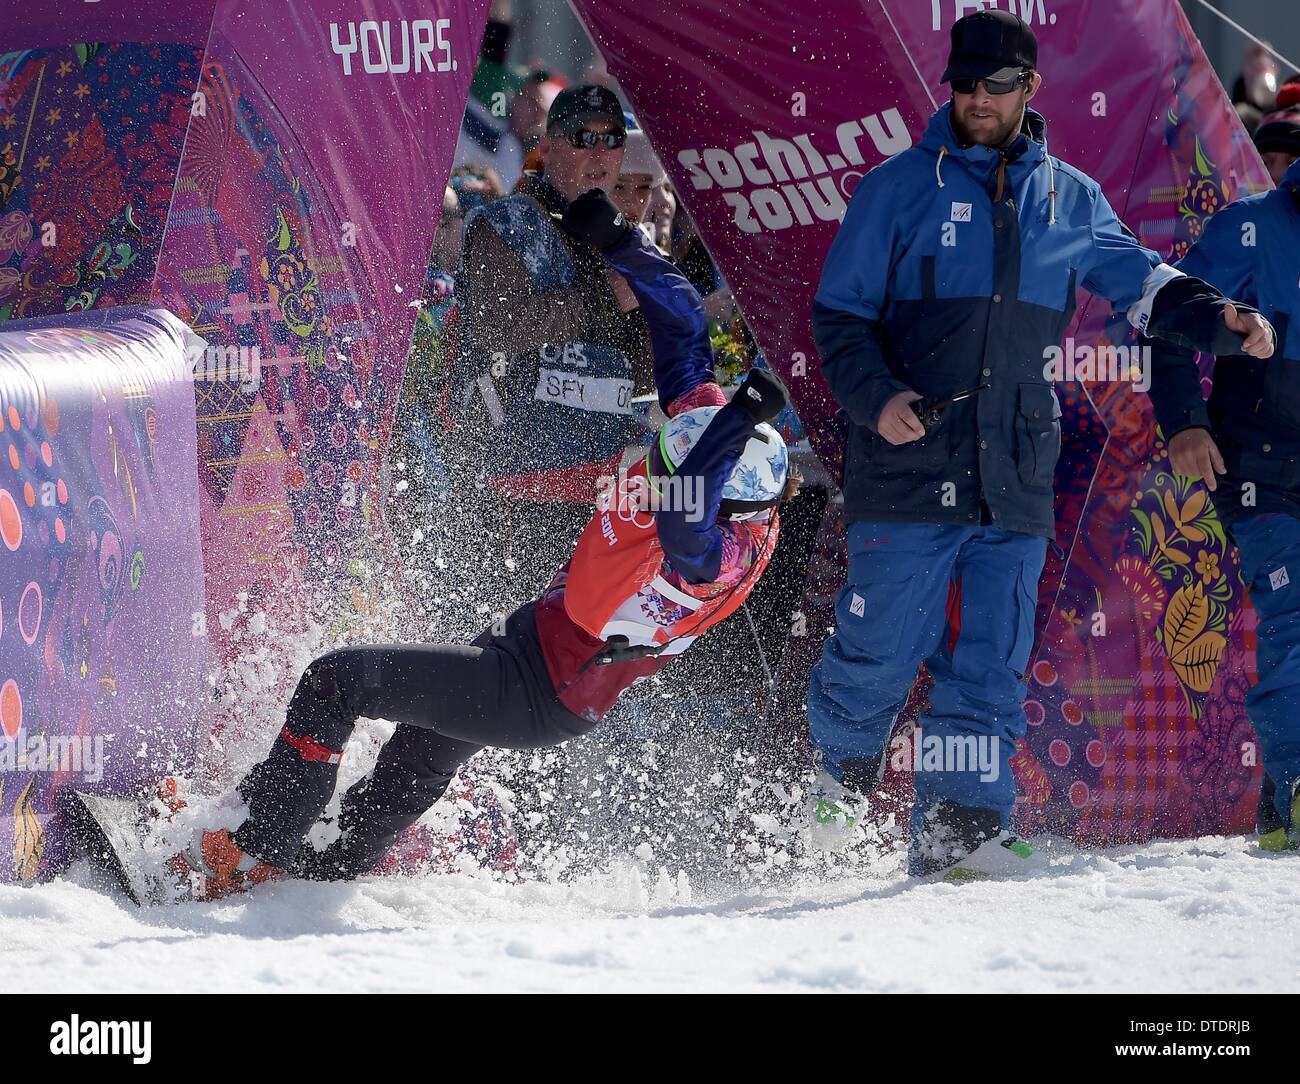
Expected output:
(671, 550)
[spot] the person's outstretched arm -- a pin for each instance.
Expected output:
(672, 307)
(1169, 303)
(692, 540)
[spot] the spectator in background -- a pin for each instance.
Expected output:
(660, 214)
(485, 132)
(529, 106)
(1288, 95)
(449, 239)
(549, 356)
(475, 185)
(1278, 141)
(1258, 82)
(1249, 432)
(1249, 117)
(640, 175)
(420, 484)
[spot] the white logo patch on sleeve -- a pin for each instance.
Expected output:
(857, 605)
(960, 212)
(1278, 578)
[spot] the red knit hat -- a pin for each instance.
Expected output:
(1288, 95)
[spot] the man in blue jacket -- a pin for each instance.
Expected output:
(956, 269)
(1249, 432)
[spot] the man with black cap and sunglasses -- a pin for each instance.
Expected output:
(952, 276)
(552, 352)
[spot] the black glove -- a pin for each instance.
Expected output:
(593, 218)
(760, 396)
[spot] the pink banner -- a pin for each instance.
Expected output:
(765, 122)
(316, 152)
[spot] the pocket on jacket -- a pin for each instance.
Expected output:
(1278, 467)
(1038, 435)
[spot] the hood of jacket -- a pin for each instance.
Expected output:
(1022, 156)
(1029, 147)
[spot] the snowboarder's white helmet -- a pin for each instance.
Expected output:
(757, 481)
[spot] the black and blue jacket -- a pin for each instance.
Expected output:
(1249, 250)
(958, 266)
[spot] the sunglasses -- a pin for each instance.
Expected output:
(585, 139)
(993, 86)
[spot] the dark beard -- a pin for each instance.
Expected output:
(1001, 139)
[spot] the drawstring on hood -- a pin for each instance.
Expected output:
(1051, 192)
(937, 175)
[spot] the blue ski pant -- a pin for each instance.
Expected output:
(891, 616)
(1270, 567)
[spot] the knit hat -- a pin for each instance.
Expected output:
(639, 157)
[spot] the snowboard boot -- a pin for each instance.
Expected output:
(947, 834)
(1277, 833)
(836, 810)
(1004, 855)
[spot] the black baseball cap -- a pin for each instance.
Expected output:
(576, 106)
(990, 45)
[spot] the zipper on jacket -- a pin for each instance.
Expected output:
(1002, 177)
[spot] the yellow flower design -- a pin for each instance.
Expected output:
(1207, 564)
(1181, 518)
(1164, 544)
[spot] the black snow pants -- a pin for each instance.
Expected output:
(449, 701)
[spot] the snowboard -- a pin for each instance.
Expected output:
(114, 833)
(110, 833)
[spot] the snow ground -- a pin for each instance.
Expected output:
(726, 896)
(1206, 915)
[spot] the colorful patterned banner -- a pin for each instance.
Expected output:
(765, 120)
(274, 151)
(271, 173)
(299, 235)
(102, 670)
